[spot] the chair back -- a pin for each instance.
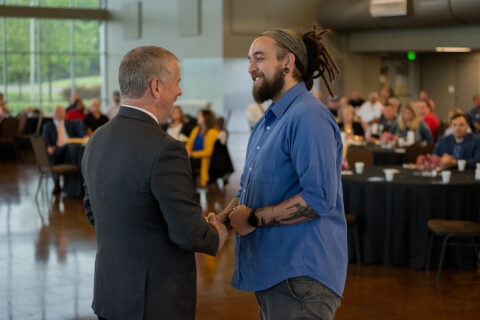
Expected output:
(440, 131)
(10, 128)
(355, 154)
(420, 148)
(41, 155)
(22, 121)
(39, 124)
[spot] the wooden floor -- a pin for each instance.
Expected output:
(47, 254)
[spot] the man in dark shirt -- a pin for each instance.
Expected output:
(459, 145)
(94, 119)
(356, 101)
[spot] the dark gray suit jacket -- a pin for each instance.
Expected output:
(139, 195)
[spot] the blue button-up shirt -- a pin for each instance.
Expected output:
(468, 149)
(295, 148)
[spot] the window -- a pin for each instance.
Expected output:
(42, 61)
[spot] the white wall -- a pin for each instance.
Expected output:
(200, 55)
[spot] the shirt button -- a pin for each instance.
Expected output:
(268, 128)
(250, 169)
(244, 190)
(258, 148)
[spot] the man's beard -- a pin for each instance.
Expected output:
(269, 88)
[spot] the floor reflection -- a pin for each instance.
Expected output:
(47, 251)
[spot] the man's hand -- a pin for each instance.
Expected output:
(239, 220)
(222, 230)
(50, 150)
(447, 161)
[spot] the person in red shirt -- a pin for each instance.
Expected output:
(78, 112)
(425, 111)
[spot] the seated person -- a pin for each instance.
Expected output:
(112, 110)
(459, 145)
(408, 121)
(371, 110)
(74, 99)
(347, 123)
(356, 100)
(334, 105)
(58, 131)
(200, 145)
(176, 128)
(389, 115)
(94, 119)
(423, 96)
(424, 111)
(77, 112)
(452, 113)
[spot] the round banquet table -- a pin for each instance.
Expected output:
(393, 216)
(387, 156)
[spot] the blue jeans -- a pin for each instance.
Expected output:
(298, 298)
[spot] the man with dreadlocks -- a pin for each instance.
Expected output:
(288, 214)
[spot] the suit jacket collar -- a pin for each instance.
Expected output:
(135, 114)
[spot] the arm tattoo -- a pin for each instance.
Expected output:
(301, 214)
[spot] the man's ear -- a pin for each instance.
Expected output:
(155, 87)
(290, 61)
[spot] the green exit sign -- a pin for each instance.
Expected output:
(411, 55)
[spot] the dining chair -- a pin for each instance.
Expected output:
(8, 135)
(356, 154)
(417, 149)
(452, 229)
(44, 167)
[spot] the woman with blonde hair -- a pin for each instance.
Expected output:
(200, 145)
(348, 124)
(408, 121)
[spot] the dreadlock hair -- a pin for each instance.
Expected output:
(320, 62)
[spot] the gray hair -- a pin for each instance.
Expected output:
(140, 65)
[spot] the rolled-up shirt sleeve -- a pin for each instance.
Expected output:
(315, 159)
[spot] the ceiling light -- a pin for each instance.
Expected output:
(453, 49)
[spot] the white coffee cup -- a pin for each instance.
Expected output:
(410, 137)
(446, 175)
(389, 173)
(461, 165)
(477, 174)
(401, 142)
(478, 165)
(359, 167)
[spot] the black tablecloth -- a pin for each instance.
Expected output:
(393, 216)
(384, 156)
(73, 183)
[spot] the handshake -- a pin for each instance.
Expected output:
(232, 217)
